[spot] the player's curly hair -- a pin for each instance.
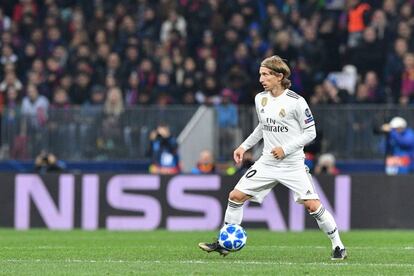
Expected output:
(278, 65)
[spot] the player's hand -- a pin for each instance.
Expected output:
(238, 155)
(278, 153)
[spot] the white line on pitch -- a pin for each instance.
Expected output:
(207, 262)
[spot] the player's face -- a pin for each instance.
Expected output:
(269, 79)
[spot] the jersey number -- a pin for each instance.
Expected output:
(251, 173)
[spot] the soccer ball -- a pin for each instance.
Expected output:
(232, 237)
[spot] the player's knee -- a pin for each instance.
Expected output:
(237, 196)
(312, 205)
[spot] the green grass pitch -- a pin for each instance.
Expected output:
(42, 252)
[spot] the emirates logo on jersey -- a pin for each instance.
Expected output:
(282, 113)
(264, 101)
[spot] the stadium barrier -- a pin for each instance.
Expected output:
(189, 202)
(350, 132)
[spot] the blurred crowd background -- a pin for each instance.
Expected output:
(190, 51)
(57, 55)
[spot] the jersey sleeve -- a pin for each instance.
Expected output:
(304, 114)
(255, 136)
(307, 123)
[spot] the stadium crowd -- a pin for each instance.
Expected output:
(57, 54)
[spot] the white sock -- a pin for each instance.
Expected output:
(327, 224)
(234, 212)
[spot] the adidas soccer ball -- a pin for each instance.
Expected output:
(232, 237)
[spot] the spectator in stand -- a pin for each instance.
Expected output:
(110, 139)
(369, 54)
(407, 80)
(380, 25)
(404, 30)
(313, 52)
(358, 18)
(148, 24)
(174, 21)
(394, 67)
(329, 35)
(147, 76)
(345, 79)
(79, 93)
(34, 110)
(35, 107)
(10, 116)
(209, 92)
(207, 46)
(238, 81)
(5, 22)
(7, 55)
(113, 68)
(132, 95)
(163, 151)
(362, 95)
(205, 164)
(399, 146)
(319, 96)
(375, 89)
(326, 165)
(24, 7)
(228, 119)
(61, 125)
(283, 46)
(164, 89)
(10, 80)
(60, 99)
(329, 93)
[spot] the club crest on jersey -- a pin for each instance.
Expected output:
(264, 101)
(282, 113)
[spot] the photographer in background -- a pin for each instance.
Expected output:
(163, 151)
(48, 162)
(399, 147)
(326, 165)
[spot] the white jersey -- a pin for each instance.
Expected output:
(284, 121)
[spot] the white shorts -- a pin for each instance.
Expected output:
(260, 179)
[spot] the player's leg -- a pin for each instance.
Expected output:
(327, 224)
(234, 211)
(253, 185)
(234, 215)
(298, 179)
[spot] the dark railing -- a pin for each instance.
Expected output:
(349, 132)
(88, 133)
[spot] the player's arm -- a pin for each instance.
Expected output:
(252, 140)
(307, 123)
(257, 133)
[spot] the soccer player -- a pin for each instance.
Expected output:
(286, 125)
